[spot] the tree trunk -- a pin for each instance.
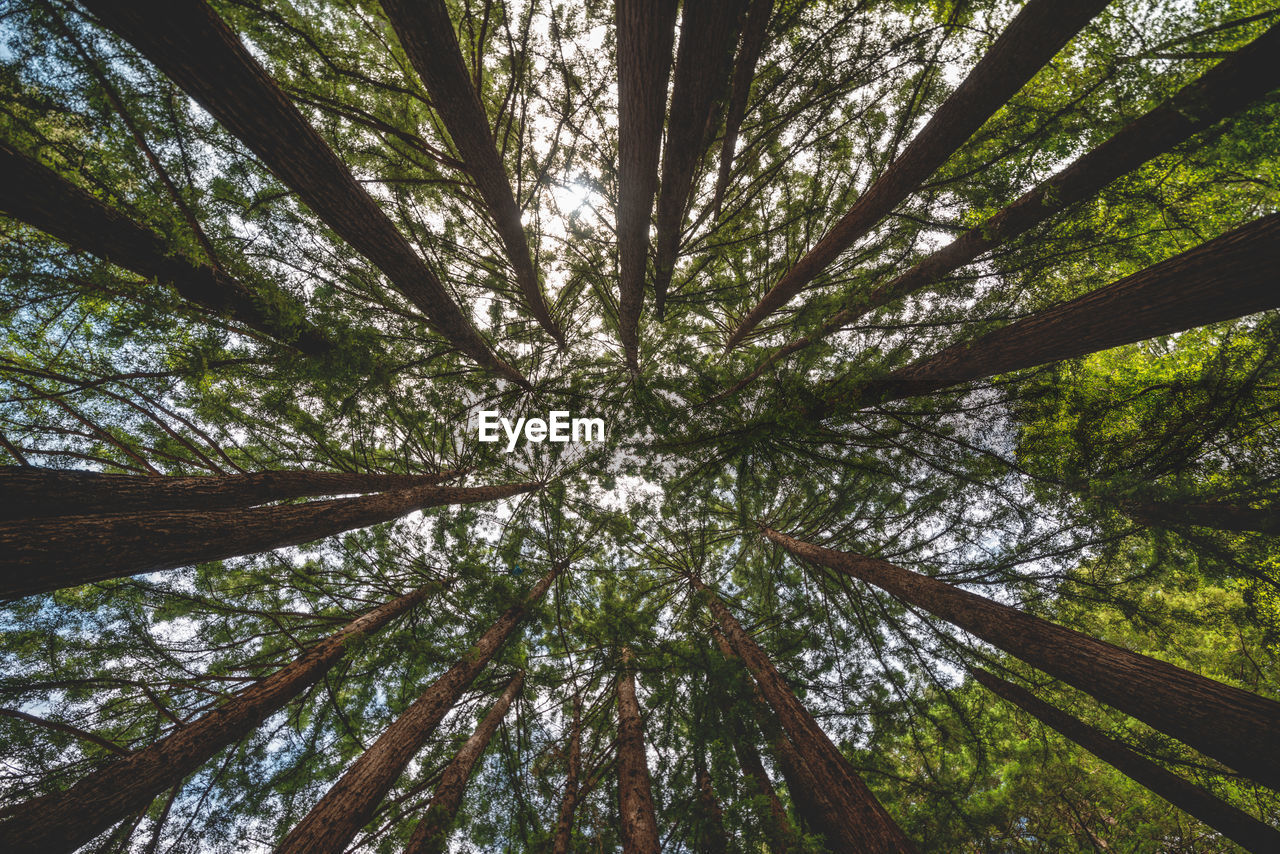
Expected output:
(432, 832)
(646, 31)
(46, 554)
(28, 492)
(1206, 514)
(1037, 32)
(1239, 729)
(779, 830)
(45, 200)
(704, 61)
(64, 821)
(426, 33)
(194, 47)
(754, 32)
(350, 804)
(569, 803)
(712, 838)
(1235, 824)
(635, 797)
(860, 823)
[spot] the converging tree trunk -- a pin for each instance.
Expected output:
(1239, 729)
(1233, 823)
(569, 801)
(635, 797)
(712, 838)
(1037, 32)
(779, 830)
(755, 30)
(42, 198)
(646, 32)
(1207, 514)
(426, 33)
(350, 804)
(37, 555)
(194, 47)
(64, 821)
(28, 492)
(432, 832)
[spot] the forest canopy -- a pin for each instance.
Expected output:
(937, 351)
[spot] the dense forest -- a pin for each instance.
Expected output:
(938, 353)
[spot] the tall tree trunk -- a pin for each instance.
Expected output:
(1235, 824)
(569, 802)
(194, 47)
(1233, 84)
(28, 492)
(1207, 514)
(635, 797)
(63, 551)
(860, 823)
(1037, 32)
(432, 832)
(45, 200)
(426, 33)
(64, 821)
(1239, 729)
(712, 838)
(646, 32)
(704, 61)
(350, 804)
(779, 830)
(754, 32)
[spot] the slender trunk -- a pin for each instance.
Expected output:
(1233, 84)
(28, 492)
(195, 48)
(754, 33)
(646, 32)
(860, 823)
(781, 833)
(1037, 32)
(1233, 823)
(45, 200)
(635, 797)
(432, 832)
(1239, 729)
(712, 838)
(64, 821)
(350, 804)
(46, 554)
(1208, 514)
(426, 33)
(704, 61)
(569, 802)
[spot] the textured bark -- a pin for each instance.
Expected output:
(1223, 517)
(45, 200)
(426, 33)
(852, 819)
(1228, 88)
(46, 554)
(1037, 32)
(1239, 729)
(704, 60)
(754, 32)
(350, 804)
(646, 32)
(194, 47)
(1233, 823)
(569, 802)
(635, 797)
(28, 492)
(781, 833)
(712, 838)
(64, 821)
(432, 832)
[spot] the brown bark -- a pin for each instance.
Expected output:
(569, 802)
(852, 818)
(1207, 514)
(46, 554)
(194, 47)
(1233, 823)
(712, 838)
(431, 834)
(350, 804)
(754, 32)
(781, 833)
(646, 32)
(704, 60)
(45, 200)
(1037, 32)
(426, 33)
(1239, 729)
(28, 492)
(63, 821)
(635, 796)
